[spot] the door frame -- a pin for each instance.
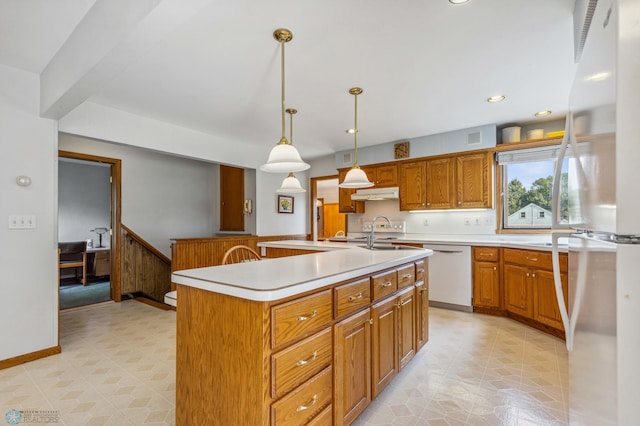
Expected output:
(116, 215)
(312, 205)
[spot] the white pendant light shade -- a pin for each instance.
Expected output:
(356, 178)
(291, 185)
(284, 158)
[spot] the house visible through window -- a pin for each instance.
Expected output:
(527, 187)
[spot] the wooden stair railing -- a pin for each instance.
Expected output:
(144, 269)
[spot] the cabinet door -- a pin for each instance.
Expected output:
(422, 314)
(231, 198)
(440, 191)
(352, 367)
(413, 186)
(345, 203)
(406, 326)
(486, 284)
(473, 181)
(545, 306)
(518, 297)
(384, 344)
(386, 175)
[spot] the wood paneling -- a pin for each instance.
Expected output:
(144, 269)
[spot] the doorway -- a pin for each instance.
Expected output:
(327, 221)
(89, 211)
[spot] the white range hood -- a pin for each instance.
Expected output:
(373, 194)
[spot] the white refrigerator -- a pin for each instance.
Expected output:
(602, 221)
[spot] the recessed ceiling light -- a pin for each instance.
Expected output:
(496, 98)
(542, 113)
(458, 1)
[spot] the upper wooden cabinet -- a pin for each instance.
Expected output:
(382, 176)
(473, 180)
(413, 182)
(345, 203)
(440, 183)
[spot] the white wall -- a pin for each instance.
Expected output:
(84, 201)
(269, 221)
(163, 197)
(28, 258)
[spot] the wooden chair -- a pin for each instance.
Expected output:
(74, 255)
(240, 253)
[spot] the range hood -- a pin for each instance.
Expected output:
(374, 194)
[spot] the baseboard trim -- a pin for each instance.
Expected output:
(32, 356)
(153, 303)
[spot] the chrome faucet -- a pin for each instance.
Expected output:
(371, 236)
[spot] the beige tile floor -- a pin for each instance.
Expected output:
(118, 368)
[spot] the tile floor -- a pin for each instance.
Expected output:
(118, 368)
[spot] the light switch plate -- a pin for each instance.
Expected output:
(22, 221)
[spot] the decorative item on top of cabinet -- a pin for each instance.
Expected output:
(486, 279)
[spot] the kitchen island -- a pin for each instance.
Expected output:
(308, 339)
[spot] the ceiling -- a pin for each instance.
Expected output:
(426, 66)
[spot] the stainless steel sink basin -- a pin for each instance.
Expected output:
(390, 247)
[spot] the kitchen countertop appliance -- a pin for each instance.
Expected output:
(602, 322)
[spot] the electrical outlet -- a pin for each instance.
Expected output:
(426, 222)
(476, 221)
(467, 221)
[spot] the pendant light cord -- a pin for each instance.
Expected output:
(284, 138)
(355, 131)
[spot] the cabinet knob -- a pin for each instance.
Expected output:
(533, 275)
(494, 268)
(459, 202)
(527, 274)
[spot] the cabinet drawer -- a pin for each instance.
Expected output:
(421, 270)
(325, 418)
(384, 284)
(296, 364)
(300, 317)
(486, 254)
(352, 296)
(406, 276)
(538, 259)
(304, 403)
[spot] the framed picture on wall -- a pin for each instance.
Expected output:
(285, 204)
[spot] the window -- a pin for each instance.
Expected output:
(527, 187)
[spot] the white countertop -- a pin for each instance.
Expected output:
(273, 279)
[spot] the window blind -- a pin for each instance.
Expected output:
(530, 155)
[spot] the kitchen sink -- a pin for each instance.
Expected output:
(546, 244)
(390, 247)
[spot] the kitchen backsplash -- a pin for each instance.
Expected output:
(477, 222)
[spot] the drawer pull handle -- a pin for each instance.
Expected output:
(306, 317)
(309, 404)
(420, 271)
(387, 284)
(486, 254)
(308, 360)
(407, 276)
(356, 297)
(534, 259)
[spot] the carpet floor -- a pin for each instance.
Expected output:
(74, 295)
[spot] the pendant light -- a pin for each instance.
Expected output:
(356, 177)
(291, 184)
(283, 157)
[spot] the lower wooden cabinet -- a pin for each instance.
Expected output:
(406, 304)
(384, 352)
(518, 290)
(545, 301)
(352, 361)
(422, 314)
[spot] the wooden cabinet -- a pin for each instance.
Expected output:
(345, 203)
(413, 185)
(486, 277)
(422, 313)
(318, 358)
(473, 181)
(231, 198)
(352, 361)
(530, 288)
(440, 183)
(382, 176)
(102, 265)
(406, 304)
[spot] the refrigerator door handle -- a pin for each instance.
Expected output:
(555, 196)
(557, 281)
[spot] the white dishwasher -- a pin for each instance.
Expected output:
(450, 277)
